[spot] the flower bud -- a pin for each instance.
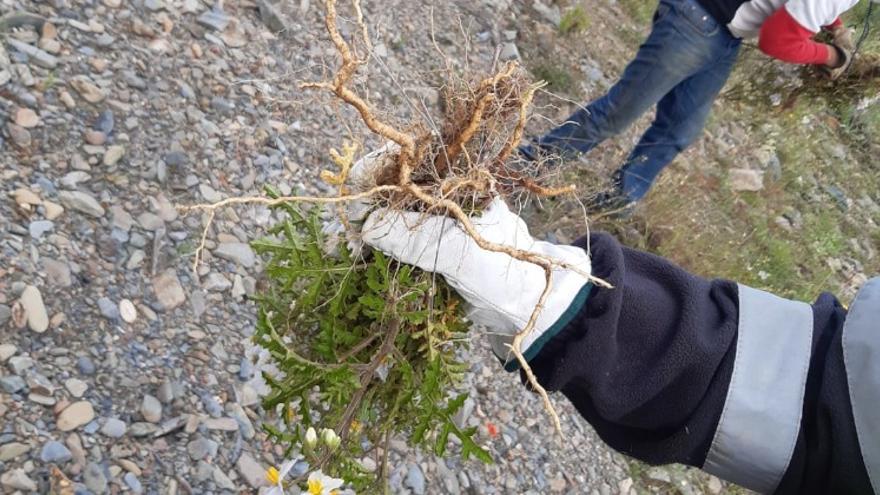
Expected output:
(311, 438)
(330, 438)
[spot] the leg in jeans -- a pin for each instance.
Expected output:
(681, 115)
(669, 56)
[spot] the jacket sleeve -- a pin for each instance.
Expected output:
(784, 38)
(670, 367)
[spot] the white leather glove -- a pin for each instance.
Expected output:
(501, 292)
(361, 178)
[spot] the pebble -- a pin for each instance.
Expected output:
(415, 479)
(38, 228)
(81, 202)
(25, 117)
(94, 478)
(95, 138)
(53, 210)
(113, 155)
(114, 428)
(168, 290)
(19, 135)
(85, 366)
(252, 472)
(35, 55)
(7, 351)
(75, 415)
(17, 479)
(55, 452)
(108, 308)
(12, 450)
(133, 482)
(127, 311)
(12, 383)
(32, 302)
(237, 252)
(76, 387)
(151, 409)
(201, 448)
(20, 364)
(87, 89)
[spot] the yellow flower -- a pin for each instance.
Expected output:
(272, 475)
(355, 427)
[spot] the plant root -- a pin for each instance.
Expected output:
(459, 170)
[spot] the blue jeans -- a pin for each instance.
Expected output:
(681, 68)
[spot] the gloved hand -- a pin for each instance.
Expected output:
(501, 291)
(361, 177)
(842, 36)
(844, 59)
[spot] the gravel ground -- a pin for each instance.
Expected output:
(122, 366)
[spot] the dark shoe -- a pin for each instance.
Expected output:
(612, 204)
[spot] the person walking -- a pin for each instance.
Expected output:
(681, 68)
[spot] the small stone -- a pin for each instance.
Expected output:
(35, 55)
(271, 16)
(415, 479)
(57, 272)
(715, 485)
(108, 308)
(106, 122)
(32, 302)
(17, 479)
(142, 429)
(85, 366)
(95, 138)
(129, 466)
(81, 202)
(251, 471)
(221, 424)
(19, 135)
(12, 450)
(20, 364)
(237, 252)
(55, 452)
(53, 210)
(26, 197)
(558, 484)
(214, 19)
(165, 393)
(168, 290)
(94, 478)
(742, 179)
(75, 415)
(38, 228)
(87, 89)
(150, 221)
(509, 52)
(25, 117)
(76, 387)
(127, 311)
(151, 409)
(12, 383)
(132, 481)
(6, 352)
(216, 282)
(114, 428)
(222, 480)
(113, 155)
(201, 448)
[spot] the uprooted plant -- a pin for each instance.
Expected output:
(365, 347)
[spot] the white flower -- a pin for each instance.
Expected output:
(276, 477)
(321, 484)
(311, 438)
(330, 438)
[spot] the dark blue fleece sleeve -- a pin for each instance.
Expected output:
(648, 364)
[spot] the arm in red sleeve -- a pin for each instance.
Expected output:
(783, 38)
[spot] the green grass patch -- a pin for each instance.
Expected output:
(559, 80)
(574, 20)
